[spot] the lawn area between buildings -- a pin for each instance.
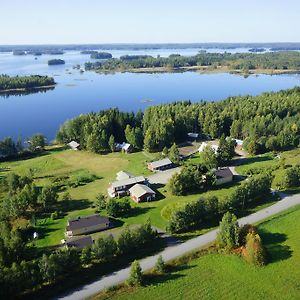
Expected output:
(75, 165)
(219, 276)
(96, 171)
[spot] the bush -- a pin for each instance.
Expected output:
(118, 208)
(136, 275)
(54, 215)
(160, 266)
(228, 236)
(254, 251)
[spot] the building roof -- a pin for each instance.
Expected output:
(81, 222)
(193, 135)
(124, 175)
(204, 145)
(80, 242)
(73, 144)
(139, 190)
(224, 173)
(129, 181)
(161, 163)
(123, 146)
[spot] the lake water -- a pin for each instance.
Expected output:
(78, 93)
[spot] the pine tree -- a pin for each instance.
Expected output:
(174, 154)
(160, 266)
(111, 143)
(136, 275)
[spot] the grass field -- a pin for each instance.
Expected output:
(274, 163)
(217, 276)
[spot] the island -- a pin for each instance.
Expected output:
(53, 62)
(240, 63)
(19, 52)
(21, 84)
(100, 55)
(257, 50)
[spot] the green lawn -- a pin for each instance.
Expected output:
(217, 276)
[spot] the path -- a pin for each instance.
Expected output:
(162, 177)
(175, 251)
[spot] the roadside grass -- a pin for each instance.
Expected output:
(219, 276)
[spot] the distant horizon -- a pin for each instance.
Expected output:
(150, 43)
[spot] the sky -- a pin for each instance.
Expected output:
(143, 21)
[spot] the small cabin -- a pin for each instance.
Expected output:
(74, 145)
(160, 165)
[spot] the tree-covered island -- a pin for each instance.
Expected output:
(53, 62)
(270, 62)
(24, 83)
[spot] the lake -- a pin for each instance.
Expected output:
(78, 93)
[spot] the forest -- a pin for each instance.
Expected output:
(284, 60)
(270, 121)
(24, 82)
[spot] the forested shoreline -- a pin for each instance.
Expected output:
(285, 60)
(17, 83)
(270, 121)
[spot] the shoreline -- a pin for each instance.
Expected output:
(202, 70)
(44, 87)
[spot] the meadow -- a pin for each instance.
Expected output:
(219, 276)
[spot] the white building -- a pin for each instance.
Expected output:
(204, 145)
(74, 145)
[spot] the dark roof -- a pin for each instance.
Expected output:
(80, 242)
(81, 222)
(224, 173)
(161, 163)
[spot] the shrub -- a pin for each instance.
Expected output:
(254, 251)
(160, 266)
(136, 275)
(228, 236)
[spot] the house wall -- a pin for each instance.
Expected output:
(143, 198)
(221, 181)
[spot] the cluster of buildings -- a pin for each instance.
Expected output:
(128, 184)
(125, 147)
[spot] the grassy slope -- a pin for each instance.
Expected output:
(217, 276)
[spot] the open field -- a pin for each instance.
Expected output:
(218, 276)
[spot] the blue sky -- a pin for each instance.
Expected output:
(156, 21)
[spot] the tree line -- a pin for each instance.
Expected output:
(12, 149)
(270, 121)
(24, 275)
(238, 61)
(24, 82)
(205, 210)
